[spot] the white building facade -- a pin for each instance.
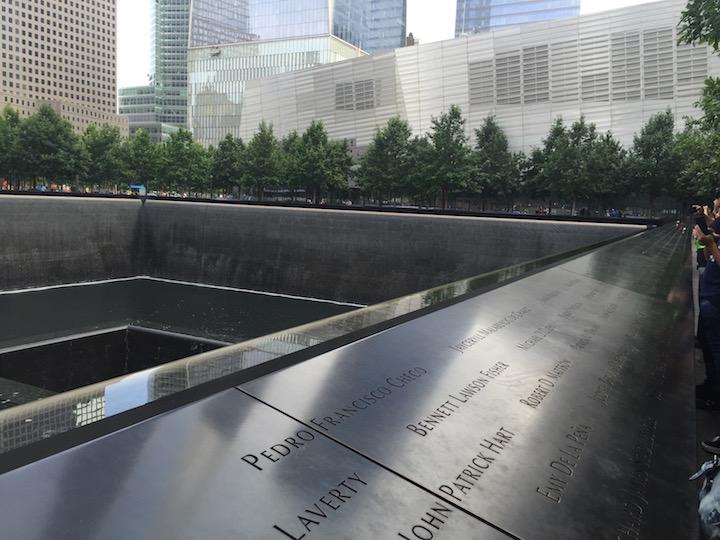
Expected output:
(616, 68)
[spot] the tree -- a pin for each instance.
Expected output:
(495, 170)
(606, 169)
(142, 160)
(291, 162)
(710, 104)
(47, 147)
(261, 161)
(104, 161)
(324, 164)
(449, 164)
(384, 168)
(700, 23)
(185, 164)
(532, 180)
(555, 162)
(653, 165)
(419, 157)
(696, 150)
(578, 185)
(9, 145)
(225, 170)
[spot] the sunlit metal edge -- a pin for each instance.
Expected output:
(89, 404)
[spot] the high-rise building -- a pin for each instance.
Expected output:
(387, 25)
(161, 107)
(372, 25)
(473, 16)
(616, 68)
(168, 63)
(60, 53)
(236, 41)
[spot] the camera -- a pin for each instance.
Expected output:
(695, 209)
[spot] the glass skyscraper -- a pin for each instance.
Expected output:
(473, 16)
(372, 25)
(387, 25)
(169, 59)
(236, 41)
(161, 107)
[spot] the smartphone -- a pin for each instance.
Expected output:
(700, 222)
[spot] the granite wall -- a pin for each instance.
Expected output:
(333, 254)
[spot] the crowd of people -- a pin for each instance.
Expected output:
(707, 234)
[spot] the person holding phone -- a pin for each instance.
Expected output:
(708, 394)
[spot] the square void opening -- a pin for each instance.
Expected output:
(65, 364)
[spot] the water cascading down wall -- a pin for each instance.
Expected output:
(346, 256)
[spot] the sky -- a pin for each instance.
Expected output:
(428, 20)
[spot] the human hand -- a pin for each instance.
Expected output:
(701, 237)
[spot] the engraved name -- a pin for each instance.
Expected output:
(586, 337)
(593, 293)
(432, 521)
(428, 423)
(373, 397)
(314, 515)
(546, 384)
(491, 448)
(537, 336)
(280, 450)
(484, 333)
(635, 494)
(569, 311)
(606, 383)
(564, 466)
(612, 308)
(549, 296)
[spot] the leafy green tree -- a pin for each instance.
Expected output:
(384, 168)
(10, 166)
(449, 168)
(700, 23)
(225, 171)
(495, 168)
(578, 184)
(291, 162)
(532, 179)
(104, 160)
(416, 183)
(324, 164)
(261, 161)
(606, 169)
(556, 162)
(142, 158)
(710, 104)
(696, 150)
(47, 147)
(653, 164)
(185, 164)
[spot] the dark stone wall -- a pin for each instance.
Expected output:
(341, 255)
(50, 241)
(344, 255)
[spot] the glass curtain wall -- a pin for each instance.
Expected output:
(473, 16)
(387, 25)
(217, 83)
(214, 22)
(171, 20)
